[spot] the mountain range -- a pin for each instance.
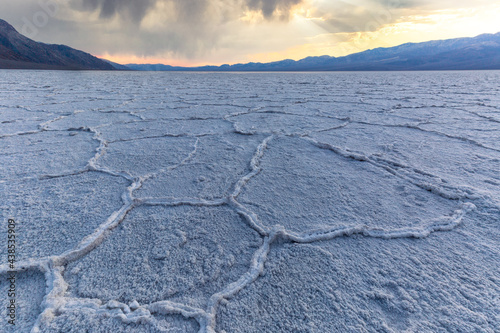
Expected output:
(481, 52)
(20, 52)
(472, 53)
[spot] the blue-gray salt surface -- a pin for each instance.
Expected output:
(270, 202)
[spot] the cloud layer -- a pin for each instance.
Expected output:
(134, 9)
(213, 31)
(137, 9)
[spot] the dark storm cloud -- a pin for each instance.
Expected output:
(401, 3)
(134, 9)
(185, 27)
(188, 9)
(269, 7)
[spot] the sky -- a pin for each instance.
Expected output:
(216, 32)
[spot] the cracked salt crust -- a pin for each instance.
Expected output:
(281, 208)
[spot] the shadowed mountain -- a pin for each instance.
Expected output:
(20, 52)
(481, 52)
(116, 65)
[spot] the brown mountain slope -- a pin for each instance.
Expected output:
(20, 52)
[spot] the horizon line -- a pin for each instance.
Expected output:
(276, 61)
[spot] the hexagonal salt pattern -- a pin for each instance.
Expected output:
(45, 153)
(252, 202)
(53, 215)
(305, 188)
(183, 254)
(217, 163)
(353, 285)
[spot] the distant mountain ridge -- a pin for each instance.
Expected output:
(472, 53)
(20, 52)
(117, 65)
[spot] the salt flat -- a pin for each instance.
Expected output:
(265, 202)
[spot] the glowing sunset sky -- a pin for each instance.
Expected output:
(199, 32)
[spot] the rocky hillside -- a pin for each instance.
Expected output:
(20, 52)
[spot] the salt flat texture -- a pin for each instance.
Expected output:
(272, 202)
